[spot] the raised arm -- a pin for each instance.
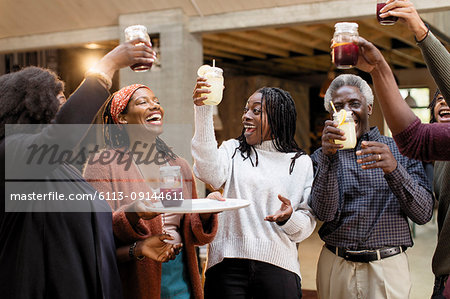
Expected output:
(84, 103)
(80, 108)
(396, 111)
(435, 54)
(211, 164)
(414, 139)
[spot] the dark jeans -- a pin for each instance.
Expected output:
(439, 285)
(246, 279)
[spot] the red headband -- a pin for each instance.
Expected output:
(121, 98)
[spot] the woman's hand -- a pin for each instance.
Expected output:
(213, 195)
(142, 210)
(126, 54)
(406, 12)
(156, 249)
(139, 210)
(283, 214)
(200, 88)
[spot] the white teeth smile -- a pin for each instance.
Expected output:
(249, 127)
(154, 117)
(444, 113)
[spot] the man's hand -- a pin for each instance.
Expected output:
(370, 57)
(329, 134)
(379, 156)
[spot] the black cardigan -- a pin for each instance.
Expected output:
(58, 254)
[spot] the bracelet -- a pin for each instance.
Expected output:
(132, 254)
(101, 76)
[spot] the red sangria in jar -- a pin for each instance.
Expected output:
(344, 51)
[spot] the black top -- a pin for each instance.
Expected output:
(58, 254)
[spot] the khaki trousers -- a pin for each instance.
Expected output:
(340, 279)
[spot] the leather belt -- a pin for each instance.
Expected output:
(365, 256)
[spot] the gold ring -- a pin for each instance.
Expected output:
(379, 157)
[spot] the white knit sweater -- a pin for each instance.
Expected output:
(243, 233)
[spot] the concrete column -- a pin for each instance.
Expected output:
(173, 83)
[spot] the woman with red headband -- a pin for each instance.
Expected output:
(133, 119)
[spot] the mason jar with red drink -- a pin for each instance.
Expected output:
(133, 32)
(387, 20)
(344, 52)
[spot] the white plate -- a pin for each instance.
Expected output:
(201, 205)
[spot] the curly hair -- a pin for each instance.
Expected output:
(29, 96)
(281, 116)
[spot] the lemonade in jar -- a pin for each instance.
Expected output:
(347, 124)
(214, 77)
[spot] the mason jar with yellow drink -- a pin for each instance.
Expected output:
(214, 77)
(347, 124)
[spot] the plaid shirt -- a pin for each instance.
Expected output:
(367, 209)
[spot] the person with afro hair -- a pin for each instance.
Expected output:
(62, 253)
(30, 96)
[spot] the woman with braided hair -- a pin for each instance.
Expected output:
(254, 254)
(151, 262)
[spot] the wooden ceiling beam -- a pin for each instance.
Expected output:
(217, 53)
(398, 60)
(311, 66)
(300, 38)
(321, 60)
(273, 41)
(378, 38)
(245, 43)
(398, 31)
(319, 31)
(273, 65)
(242, 66)
(232, 49)
(411, 54)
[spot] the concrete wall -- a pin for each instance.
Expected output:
(181, 55)
(173, 83)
